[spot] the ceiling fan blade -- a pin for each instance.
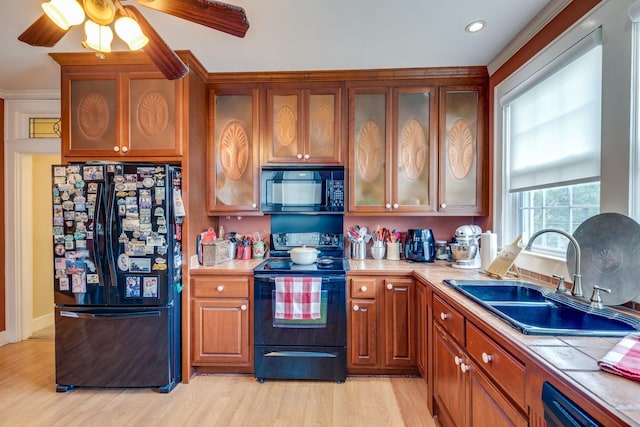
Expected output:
(210, 13)
(157, 50)
(43, 32)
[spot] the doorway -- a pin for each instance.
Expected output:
(23, 206)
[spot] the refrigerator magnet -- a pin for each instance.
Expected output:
(139, 265)
(132, 287)
(78, 283)
(59, 171)
(63, 283)
(91, 266)
(123, 262)
(150, 287)
(93, 279)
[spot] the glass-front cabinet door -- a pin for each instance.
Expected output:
(232, 153)
(393, 150)
(303, 126)
(155, 116)
(462, 136)
(369, 152)
(414, 151)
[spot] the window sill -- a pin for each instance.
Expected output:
(543, 265)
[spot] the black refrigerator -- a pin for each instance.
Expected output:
(117, 275)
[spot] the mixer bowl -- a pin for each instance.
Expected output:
(463, 251)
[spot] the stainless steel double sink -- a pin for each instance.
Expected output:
(536, 310)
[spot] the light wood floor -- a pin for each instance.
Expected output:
(28, 398)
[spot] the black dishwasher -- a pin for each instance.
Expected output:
(559, 411)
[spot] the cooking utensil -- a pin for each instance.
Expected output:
(610, 247)
(303, 255)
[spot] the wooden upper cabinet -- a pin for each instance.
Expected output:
(303, 126)
(233, 169)
(393, 150)
(463, 169)
(118, 114)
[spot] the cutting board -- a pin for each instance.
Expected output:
(504, 265)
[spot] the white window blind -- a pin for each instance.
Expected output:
(554, 121)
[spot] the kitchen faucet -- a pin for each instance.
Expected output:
(576, 289)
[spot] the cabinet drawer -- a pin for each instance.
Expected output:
(449, 319)
(222, 287)
(363, 287)
(501, 367)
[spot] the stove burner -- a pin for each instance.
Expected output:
(283, 265)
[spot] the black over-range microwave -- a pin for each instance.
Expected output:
(302, 189)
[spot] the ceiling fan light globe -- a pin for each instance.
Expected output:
(131, 33)
(98, 37)
(64, 13)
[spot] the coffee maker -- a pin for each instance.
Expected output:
(420, 245)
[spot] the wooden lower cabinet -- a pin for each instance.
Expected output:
(222, 314)
(465, 394)
(381, 325)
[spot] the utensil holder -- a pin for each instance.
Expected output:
(393, 251)
(377, 250)
(358, 250)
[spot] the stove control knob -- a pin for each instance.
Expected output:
(356, 308)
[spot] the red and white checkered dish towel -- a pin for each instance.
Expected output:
(298, 297)
(624, 358)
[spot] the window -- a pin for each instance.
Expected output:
(563, 208)
(44, 127)
(551, 125)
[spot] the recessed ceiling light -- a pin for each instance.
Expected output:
(475, 26)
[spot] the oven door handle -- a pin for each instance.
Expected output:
(325, 279)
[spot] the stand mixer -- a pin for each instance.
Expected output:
(465, 250)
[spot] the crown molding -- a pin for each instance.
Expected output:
(10, 95)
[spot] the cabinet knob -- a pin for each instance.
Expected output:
(395, 206)
(306, 157)
(444, 316)
(356, 308)
(253, 205)
(243, 307)
(464, 368)
(458, 360)
(390, 286)
(125, 149)
(363, 289)
(220, 288)
(486, 358)
(388, 206)
(443, 205)
(116, 149)
(299, 156)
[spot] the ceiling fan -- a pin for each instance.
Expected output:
(210, 13)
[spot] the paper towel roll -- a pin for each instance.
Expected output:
(488, 248)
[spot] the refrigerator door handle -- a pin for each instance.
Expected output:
(129, 314)
(110, 240)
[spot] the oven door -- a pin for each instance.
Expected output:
(327, 331)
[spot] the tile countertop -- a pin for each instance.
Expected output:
(575, 357)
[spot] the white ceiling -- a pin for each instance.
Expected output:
(291, 35)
